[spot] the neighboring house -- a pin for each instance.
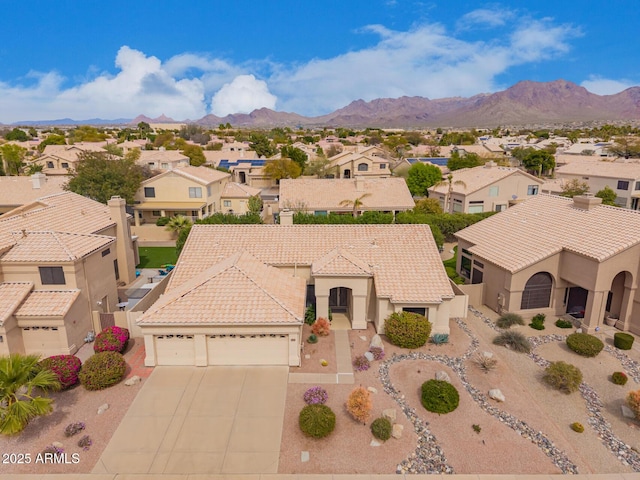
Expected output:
(163, 160)
(237, 294)
(190, 191)
(402, 166)
(59, 159)
(249, 171)
(556, 255)
(16, 191)
(240, 152)
(61, 258)
(487, 188)
(235, 197)
(595, 149)
(323, 196)
(622, 177)
(367, 162)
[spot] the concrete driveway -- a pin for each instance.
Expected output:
(213, 420)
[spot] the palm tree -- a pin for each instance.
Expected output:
(357, 203)
(449, 183)
(177, 223)
(20, 378)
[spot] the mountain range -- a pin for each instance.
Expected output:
(525, 103)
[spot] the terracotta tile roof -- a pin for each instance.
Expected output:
(70, 152)
(147, 156)
(202, 175)
(63, 212)
(327, 194)
(48, 303)
(11, 296)
(54, 246)
(19, 190)
(469, 180)
(237, 290)
(404, 259)
(339, 262)
(616, 170)
(547, 224)
(239, 190)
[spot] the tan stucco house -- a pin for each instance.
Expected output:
(557, 256)
(162, 160)
(59, 159)
(61, 258)
(237, 294)
(235, 197)
(487, 188)
(623, 177)
(16, 191)
(326, 195)
(190, 191)
(365, 162)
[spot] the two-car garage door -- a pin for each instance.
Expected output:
(226, 349)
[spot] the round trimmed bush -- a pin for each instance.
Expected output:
(111, 339)
(381, 428)
(407, 329)
(563, 376)
(577, 427)
(585, 344)
(622, 340)
(65, 367)
(102, 370)
(439, 396)
(317, 420)
(619, 378)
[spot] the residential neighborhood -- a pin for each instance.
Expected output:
(234, 276)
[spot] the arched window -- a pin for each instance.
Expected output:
(363, 167)
(537, 291)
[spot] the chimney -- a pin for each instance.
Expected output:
(586, 202)
(124, 243)
(359, 184)
(286, 217)
(37, 180)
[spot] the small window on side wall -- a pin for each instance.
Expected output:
(363, 167)
(419, 310)
(51, 275)
(150, 192)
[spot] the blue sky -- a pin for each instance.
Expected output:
(187, 58)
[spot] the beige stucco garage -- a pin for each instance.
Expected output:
(237, 312)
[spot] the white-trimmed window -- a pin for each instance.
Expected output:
(363, 167)
(532, 190)
(476, 206)
(226, 203)
(195, 192)
(494, 191)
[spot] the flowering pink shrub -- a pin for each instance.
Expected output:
(111, 339)
(74, 428)
(377, 352)
(65, 367)
(361, 363)
(315, 396)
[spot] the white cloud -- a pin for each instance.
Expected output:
(426, 60)
(606, 86)
(243, 95)
(484, 18)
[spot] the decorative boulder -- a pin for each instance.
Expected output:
(442, 375)
(496, 394)
(376, 341)
(389, 414)
(627, 412)
(133, 380)
(369, 356)
(103, 408)
(396, 431)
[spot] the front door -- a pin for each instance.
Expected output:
(339, 299)
(577, 301)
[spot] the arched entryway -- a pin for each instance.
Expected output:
(537, 291)
(620, 297)
(340, 305)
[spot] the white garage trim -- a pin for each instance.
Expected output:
(174, 349)
(248, 349)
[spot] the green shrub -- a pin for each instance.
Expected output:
(381, 428)
(313, 338)
(585, 344)
(622, 340)
(537, 322)
(310, 314)
(516, 341)
(317, 420)
(102, 370)
(563, 376)
(439, 396)
(577, 427)
(407, 330)
(560, 323)
(162, 221)
(440, 338)
(508, 320)
(619, 378)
